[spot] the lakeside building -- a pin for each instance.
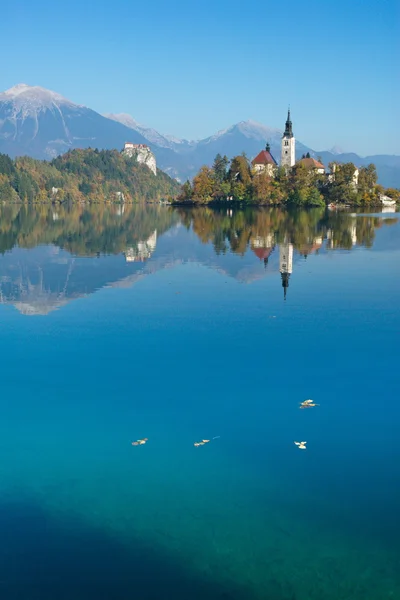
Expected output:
(311, 164)
(264, 162)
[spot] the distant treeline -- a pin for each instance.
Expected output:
(82, 175)
(236, 180)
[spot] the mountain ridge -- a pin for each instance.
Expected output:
(43, 124)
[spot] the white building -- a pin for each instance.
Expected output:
(288, 153)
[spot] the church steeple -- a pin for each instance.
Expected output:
(288, 151)
(288, 126)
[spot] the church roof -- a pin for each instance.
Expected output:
(262, 253)
(310, 163)
(264, 158)
(306, 249)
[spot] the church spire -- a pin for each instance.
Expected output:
(288, 126)
(285, 283)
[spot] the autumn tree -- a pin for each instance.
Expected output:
(203, 185)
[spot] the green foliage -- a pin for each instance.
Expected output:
(237, 230)
(83, 175)
(219, 167)
(82, 229)
(299, 186)
(6, 165)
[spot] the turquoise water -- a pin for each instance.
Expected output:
(111, 333)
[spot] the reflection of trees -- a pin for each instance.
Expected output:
(111, 229)
(305, 229)
(82, 230)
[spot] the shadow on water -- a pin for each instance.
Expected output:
(43, 557)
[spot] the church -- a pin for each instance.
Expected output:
(264, 162)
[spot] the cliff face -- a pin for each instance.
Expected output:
(142, 154)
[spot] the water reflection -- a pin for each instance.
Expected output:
(52, 255)
(285, 264)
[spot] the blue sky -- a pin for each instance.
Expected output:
(191, 68)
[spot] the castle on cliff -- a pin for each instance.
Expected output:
(142, 154)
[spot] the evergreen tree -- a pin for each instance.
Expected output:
(219, 167)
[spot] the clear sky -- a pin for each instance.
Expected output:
(190, 68)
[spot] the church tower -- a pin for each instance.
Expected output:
(285, 264)
(288, 157)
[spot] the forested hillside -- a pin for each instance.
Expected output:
(82, 175)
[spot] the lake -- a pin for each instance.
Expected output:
(120, 323)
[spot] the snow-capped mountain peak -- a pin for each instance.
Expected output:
(249, 129)
(30, 99)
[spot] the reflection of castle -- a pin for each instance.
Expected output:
(285, 264)
(262, 246)
(143, 250)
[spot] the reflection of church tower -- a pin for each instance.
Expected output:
(285, 264)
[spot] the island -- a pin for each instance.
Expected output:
(302, 183)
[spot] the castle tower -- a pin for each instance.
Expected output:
(288, 154)
(285, 264)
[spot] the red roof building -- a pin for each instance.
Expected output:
(311, 163)
(264, 161)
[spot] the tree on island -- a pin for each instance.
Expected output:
(301, 185)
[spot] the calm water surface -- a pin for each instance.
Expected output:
(119, 323)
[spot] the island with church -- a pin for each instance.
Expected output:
(305, 182)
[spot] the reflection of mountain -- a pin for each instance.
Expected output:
(75, 253)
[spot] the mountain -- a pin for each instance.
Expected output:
(250, 137)
(246, 136)
(43, 124)
(153, 136)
